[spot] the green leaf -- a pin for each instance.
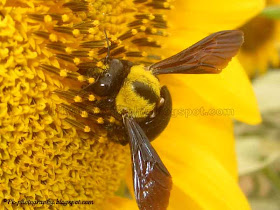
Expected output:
(272, 12)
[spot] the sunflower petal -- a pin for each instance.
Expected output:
(229, 90)
(198, 150)
(195, 120)
(213, 133)
(202, 178)
(179, 200)
(209, 16)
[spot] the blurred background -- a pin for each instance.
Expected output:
(258, 147)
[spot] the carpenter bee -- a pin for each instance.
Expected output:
(141, 107)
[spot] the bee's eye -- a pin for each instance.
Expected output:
(110, 82)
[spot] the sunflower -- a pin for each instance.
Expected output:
(261, 48)
(44, 155)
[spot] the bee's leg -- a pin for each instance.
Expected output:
(154, 125)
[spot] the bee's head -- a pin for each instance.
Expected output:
(139, 94)
(111, 80)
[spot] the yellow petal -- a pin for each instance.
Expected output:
(179, 200)
(202, 178)
(210, 16)
(198, 150)
(213, 133)
(229, 90)
(195, 120)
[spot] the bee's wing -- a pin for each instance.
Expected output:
(152, 181)
(208, 56)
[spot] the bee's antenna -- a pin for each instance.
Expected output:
(108, 47)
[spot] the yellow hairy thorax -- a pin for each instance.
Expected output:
(128, 101)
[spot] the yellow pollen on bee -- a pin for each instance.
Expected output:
(100, 120)
(87, 129)
(78, 99)
(65, 18)
(76, 32)
(77, 61)
(96, 110)
(47, 19)
(84, 114)
(53, 38)
(63, 73)
(91, 97)
(91, 80)
(81, 78)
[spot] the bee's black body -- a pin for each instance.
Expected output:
(108, 86)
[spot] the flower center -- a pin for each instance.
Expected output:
(42, 155)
